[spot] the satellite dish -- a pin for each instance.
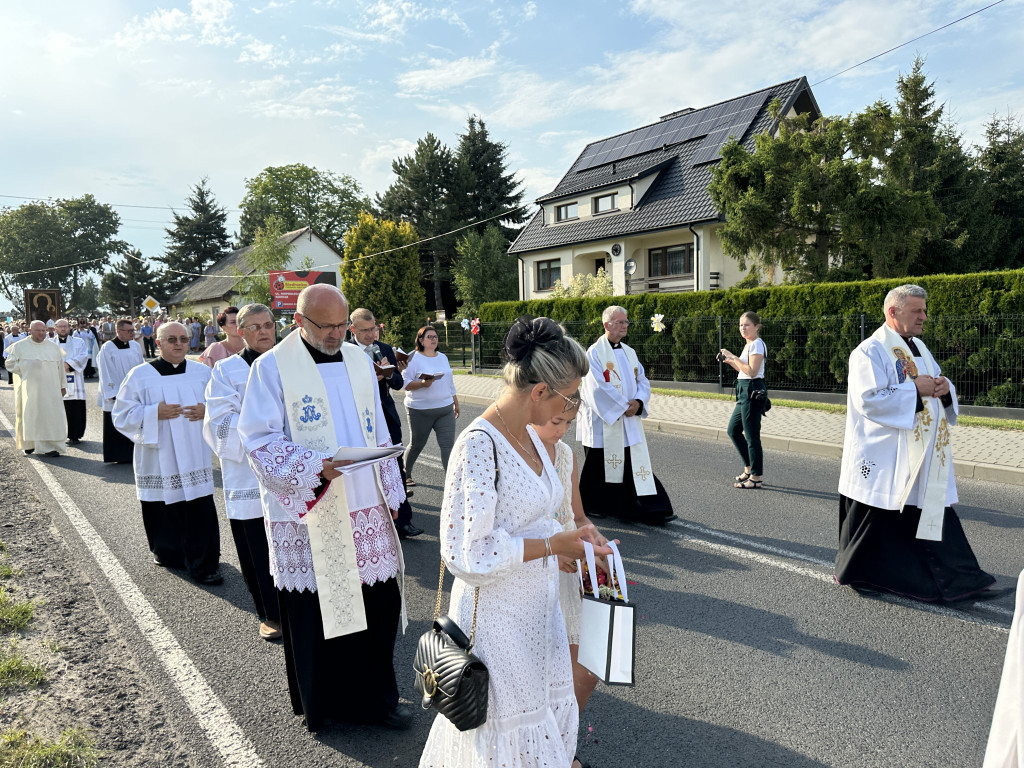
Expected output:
(629, 266)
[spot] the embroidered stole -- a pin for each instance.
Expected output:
(329, 523)
(930, 433)
(615, 434)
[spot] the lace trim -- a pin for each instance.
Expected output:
(224, 429)
(193, 479)
(376, 547)
(242, 494)
(289, 471)
(291, 560)
(391, 480)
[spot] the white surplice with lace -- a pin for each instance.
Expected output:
(532, 716)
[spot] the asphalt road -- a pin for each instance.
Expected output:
(748, 653)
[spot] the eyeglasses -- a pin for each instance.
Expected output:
(618, 322)
(430, 337)
(328, 326)
(267, 326)
(571, 403)
(175, 339)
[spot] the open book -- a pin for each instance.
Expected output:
(403, 357)
(364, 457)
(426, 376)
(384, 367)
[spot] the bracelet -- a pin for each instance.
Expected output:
(547, 551)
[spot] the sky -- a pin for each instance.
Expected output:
(135, 102)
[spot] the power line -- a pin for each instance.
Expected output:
(908, 42)
(114, 205)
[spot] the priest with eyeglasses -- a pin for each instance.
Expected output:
(160, 408)
(335, 553)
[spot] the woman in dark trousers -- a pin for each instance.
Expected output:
(745, 425)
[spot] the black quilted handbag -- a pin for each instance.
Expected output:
(451, 679)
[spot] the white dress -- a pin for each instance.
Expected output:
(532, 716)
(568, 583)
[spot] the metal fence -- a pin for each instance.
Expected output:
(982, 355)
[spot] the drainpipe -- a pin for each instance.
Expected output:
(522, 278)
(696, 257)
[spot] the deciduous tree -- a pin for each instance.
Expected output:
(484, 271)
(269, 252)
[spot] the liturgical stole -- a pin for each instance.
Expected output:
(615, 433)
(311, 424)
(930, 433)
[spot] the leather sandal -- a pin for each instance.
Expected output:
(742, 477)
(749, 485)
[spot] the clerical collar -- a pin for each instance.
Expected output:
(121, 344)
(911, 345)
(249, 355)
(320, 357)
(617, 345)
(167, 369)
(62, 339)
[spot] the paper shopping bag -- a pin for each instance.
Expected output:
(607, 625)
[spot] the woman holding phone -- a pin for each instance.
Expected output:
(745, 425)
(430, 400)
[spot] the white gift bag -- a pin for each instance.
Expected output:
(607, 628)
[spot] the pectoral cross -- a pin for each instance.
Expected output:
(614, 461)
(642, 473)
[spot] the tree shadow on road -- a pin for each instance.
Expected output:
(992, 517)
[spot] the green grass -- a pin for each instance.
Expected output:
(6, 571)
(17, 671)
(75, 749)
(14, 614)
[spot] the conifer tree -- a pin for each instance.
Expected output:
(484, 270)
(1001, 163)
(128, 283)
(197, 239)
(488, 189)
(387, 284)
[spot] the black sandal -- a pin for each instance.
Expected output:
(749, 485)
(742, 478)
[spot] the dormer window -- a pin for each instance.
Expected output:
(605, 203)
(567, 212)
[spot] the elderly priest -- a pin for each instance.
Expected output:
(335, 553)
(39, 420)
(160, 407)
(76, 357)
(114, 360)
(897, 529)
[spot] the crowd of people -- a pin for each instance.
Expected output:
(319, 543)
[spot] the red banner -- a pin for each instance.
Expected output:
(286, 286)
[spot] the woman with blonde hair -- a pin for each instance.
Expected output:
(751, 395)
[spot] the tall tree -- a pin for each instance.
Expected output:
(301, 196)
(484, 270)
(198, 239)
(388, 284)
(423, 194)
(269, 252)
(128, 283)
(76, 235)
(487, 186)
(1001, 163)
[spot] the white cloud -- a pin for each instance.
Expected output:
(286, 98)
(529, 11)
(440, 75)
(206, 21)
(263, 53)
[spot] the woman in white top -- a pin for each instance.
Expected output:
(430, 400)
(745, 425)
(499, 533)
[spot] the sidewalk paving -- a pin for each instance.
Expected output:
(984, 454)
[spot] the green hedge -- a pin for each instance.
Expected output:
(975, 330)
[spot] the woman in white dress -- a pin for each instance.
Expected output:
(502, 536)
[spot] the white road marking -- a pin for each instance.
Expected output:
(211, 715)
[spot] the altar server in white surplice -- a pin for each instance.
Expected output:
(335, 554)
(39, 386)
(224, 397)
(76, 356)
(114, 360)
(617, 478)
(160, 407)
(897, 529)
(84, 332)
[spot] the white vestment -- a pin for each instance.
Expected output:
(288, 473)
(10, 339)
(39, 419)
(114, 364)
(172, 462)
(76, 356)
(603, 403)
(89, 340)
(880, 414)
(1006, 738)
(224, 396)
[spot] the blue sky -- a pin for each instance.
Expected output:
(136, 101)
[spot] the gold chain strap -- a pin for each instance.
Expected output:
(476, 601)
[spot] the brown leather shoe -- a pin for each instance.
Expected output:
(270, 630)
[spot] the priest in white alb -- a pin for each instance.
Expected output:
(898, 531)
(617, 479)
(160, 408)
(114, 360)
(224, 397)
(335, 553)
(76, 357)
(39, 387)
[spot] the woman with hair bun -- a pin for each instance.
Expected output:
(232, 345)
(500, 535)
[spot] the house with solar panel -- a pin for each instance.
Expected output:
(637, 204)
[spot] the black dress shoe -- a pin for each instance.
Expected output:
(71, 441)
(29, 451)
(408, 530)
(210, 578)
(866, 591)
(992, 593)
(399, 718)
(52, 454)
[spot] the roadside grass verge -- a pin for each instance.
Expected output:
(74, 749)
(14, 614)
(18, 672)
